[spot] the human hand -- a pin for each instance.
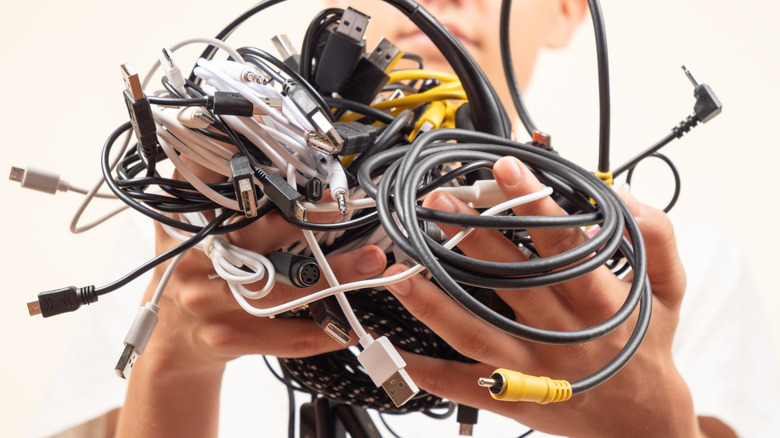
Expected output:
(647, 398)
(202, 326)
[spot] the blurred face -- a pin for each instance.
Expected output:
(535, 24)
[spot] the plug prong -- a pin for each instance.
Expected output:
(690, 76)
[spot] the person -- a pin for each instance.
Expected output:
(176, 385)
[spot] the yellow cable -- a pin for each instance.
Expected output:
(406, 75)
(431, 118)
(508, 385)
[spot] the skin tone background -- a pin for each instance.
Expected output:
(61, 98)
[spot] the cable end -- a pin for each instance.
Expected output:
(17, 174)
(508, 385)
(126, 361)
(400, 387)
(34, 307)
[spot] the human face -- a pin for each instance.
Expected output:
(535, 24)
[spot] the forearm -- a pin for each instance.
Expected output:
(164, 401)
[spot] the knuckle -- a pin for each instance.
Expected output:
(475, 346)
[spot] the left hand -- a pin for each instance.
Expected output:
(647, 398)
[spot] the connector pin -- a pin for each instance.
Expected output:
(341, 199)
(251, 76)
(17, 174)
(690, 76)
(34, 307)
(486, 382)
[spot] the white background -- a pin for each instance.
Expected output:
(61, 97)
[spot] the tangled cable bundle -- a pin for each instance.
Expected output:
(255, 134)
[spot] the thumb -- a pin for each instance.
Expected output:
(664, 267)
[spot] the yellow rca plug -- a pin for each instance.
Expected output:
(431, 118)
(508, 385)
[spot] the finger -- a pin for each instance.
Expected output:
(242, 335)
(593, 296)
(458, 327)
(515, 180)
(664, 267)
(531, 305)
(484, 244)
(360, 264)
(266, 234)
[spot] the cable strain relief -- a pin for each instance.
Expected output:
(685, 126)
(604, 176)
(261, 174)
(87, 295)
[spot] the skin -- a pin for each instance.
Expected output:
(174, 389)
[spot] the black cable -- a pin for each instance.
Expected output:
(168, 101)
(382, 141)
(423, 154)
(526, 434)
(167, 255)
(509, 67)
(359, 108)
(603, 76)
(677, 132)
(252, 52)
(675, 173)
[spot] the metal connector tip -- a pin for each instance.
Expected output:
(466, 429)
(17, 174)
(126, 362)
(251, 76)
(400, 387)
(341, 200)
(167, 55)
(337, 333)
(299, 210)
(690, 76)
(486, 382)
(34, 308)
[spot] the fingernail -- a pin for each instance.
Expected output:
(511, 173)
(371, 262)
(633, 204)
(443, 203)
(401, 288)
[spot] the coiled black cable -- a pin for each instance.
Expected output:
(417, 159)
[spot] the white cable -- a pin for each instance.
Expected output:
(166, 277)
(380, 282)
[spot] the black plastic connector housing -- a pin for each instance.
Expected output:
(140, 111)
(66, 299)
(328, 315)
(342, 51)
(707, 104)
(230, 104)
(357, 136)
(283, 195)
(370, 74)
(295, 270)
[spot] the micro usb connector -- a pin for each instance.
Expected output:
(283, 195)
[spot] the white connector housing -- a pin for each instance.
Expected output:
(385, 366)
